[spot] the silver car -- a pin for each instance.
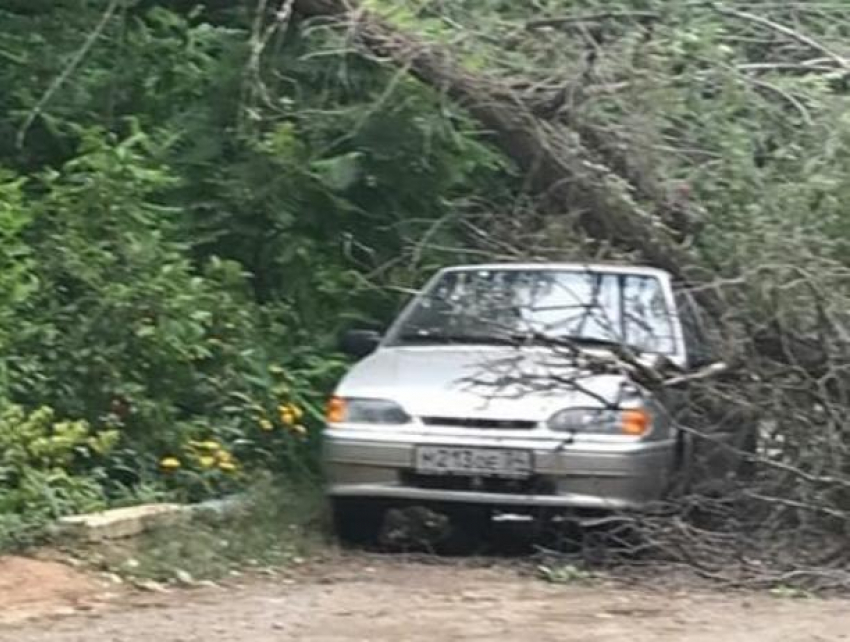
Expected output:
(504, 387)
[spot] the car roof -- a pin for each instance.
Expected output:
(617, 268)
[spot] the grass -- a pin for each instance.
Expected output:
(276, 525)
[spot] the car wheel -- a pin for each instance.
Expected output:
(355, 521)
(469, 527)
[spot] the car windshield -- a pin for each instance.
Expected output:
(497, 306)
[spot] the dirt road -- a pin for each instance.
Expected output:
(385, 599)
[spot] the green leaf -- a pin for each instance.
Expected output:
(340, 172)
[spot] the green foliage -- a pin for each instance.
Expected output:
(48, 468)
(16, 278)
(133, 336)
(185, 231)
(564, 574)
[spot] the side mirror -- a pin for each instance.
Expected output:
(701, 359)
(359, 343)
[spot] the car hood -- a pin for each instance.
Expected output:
(481, 382)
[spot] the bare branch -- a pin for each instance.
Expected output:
(785, 31)
(66, 73)
(643, 16)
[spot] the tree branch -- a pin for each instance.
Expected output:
(785, 31)
(563, 174)
(69, 69)
(642, 16)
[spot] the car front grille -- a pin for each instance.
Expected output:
(533, 485)
(486, 424)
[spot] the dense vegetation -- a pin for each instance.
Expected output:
(196, 198)
(184, 233)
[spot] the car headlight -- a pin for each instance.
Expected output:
(365, 411)
(634, 422)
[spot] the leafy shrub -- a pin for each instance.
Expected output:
(128, 334)
(48, 468)
(178, 254)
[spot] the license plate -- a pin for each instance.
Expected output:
(485, 462)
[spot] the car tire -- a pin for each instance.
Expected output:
(470, 527)
(355, 521)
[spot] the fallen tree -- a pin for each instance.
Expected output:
(566, 177)
(561, 171)
(787, 336)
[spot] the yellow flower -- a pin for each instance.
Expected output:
(169, 463)
(299, 430)
(224, 456)
(266, 425)
(276, 370)
(206, 461)
(210, 445)
(296, 411)
(287, 417)
(227, 466)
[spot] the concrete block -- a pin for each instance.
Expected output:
(122, 522)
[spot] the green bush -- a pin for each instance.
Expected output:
(179, 253)
(126, 332)
(48, 468)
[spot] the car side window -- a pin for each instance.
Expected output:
(646, 317)
(697, 337)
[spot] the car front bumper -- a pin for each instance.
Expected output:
(604, 475)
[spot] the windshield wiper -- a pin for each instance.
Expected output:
(451, 338)
(595, 341)
(514, 339)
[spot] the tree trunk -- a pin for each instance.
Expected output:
(562, 173)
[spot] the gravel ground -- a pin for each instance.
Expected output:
(390, 599)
